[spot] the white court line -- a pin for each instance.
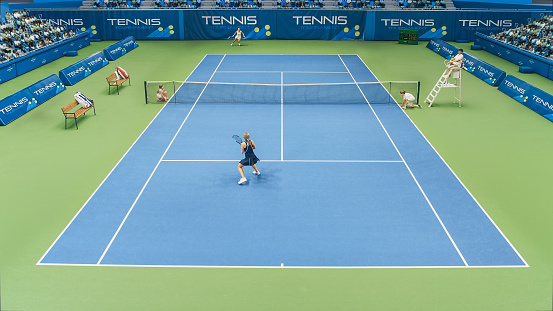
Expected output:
(279, 71)
(302, 161)
(113, 169)
(282, 116)
(409, 169)
(280, 267)
(458, 179)
(153, 172)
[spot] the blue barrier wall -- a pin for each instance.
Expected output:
(83, 68)
(285, 24)
(528, 95)
(540, 65)
(120, 48)
(21, 102)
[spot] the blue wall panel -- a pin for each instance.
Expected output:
(286, 24)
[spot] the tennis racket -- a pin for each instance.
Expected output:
(237, 139)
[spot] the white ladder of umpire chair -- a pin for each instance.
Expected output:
(454, 73)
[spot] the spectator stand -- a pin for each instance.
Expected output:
(22, 34)
(425, 4)
(26, 62)
(535, 38)
(524, 58)
(111, 4)
(173, 4)
(300, 4)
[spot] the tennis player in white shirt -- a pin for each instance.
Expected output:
(238, 34)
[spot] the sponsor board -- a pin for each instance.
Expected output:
(83, 68)
(21, 102)
(528, 95)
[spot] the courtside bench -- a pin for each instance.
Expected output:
(77, 113)
(113, 81)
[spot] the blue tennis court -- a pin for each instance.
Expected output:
(345, 180)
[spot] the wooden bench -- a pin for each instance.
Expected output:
(77, 113)
(113, 81)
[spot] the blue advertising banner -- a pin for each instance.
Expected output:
(83, 68)
(74, 73)
(221, 24)
(95, 61)
(539, 64)
(443, 48)
(73, 20)
(15, 105)
(114, 51)
(487, 22)
(482, 70)
(320, 25)
(129, 43)
(431, 25)
(147, 24)
(118, 24)
(528, 95)
(19, 103)
(142, 24)
(46, 88)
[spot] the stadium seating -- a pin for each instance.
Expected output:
(22, 33)
(535, 37)
(421, 4)
(300, 4)
(239, 4)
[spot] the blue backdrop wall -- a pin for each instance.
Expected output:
(286, 24)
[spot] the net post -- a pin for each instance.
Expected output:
(418, 91)
(391, 96)
(146, 91)
(174, 91)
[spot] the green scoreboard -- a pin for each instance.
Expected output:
(407, 36)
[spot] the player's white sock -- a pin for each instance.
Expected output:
(242, 180)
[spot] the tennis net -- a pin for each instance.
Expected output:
(184, 92)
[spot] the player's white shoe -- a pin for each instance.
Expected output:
(242, 180)
(239, 44)
(256, 172)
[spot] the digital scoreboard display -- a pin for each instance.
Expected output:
(407, 36)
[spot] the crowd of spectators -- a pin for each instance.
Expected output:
(189, 4)
(361, 4)
(238, 4)
(21, 34)
(536, 37)
(116, 4)
(300, 4)
(421, 4)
